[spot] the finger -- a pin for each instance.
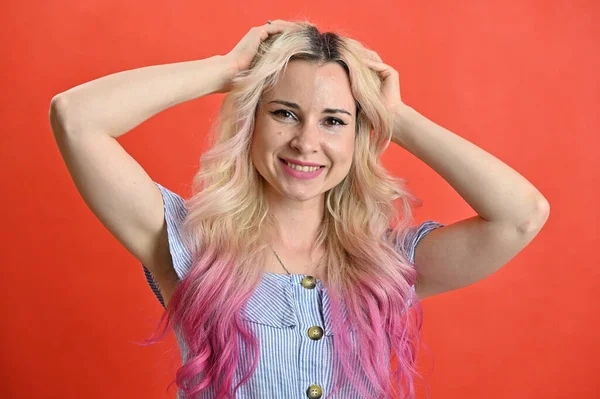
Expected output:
(367, 53)
(266, 30)
(377, 57)
(275, 27)
(373, 55)
(284, 22)
(380, 67)
(281, 24)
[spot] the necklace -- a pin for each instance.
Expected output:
(277, 256)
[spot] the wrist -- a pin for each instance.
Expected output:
(229, 64)
(404, 117)
(228, 69)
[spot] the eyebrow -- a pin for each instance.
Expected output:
(325, 111)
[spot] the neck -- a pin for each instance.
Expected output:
(298, 222)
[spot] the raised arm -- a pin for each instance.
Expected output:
(87, 119)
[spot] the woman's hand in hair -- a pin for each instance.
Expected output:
(390, 89)
(242, 54)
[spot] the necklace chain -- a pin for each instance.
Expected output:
(277, 256)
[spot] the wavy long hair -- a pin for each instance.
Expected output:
(367, 277)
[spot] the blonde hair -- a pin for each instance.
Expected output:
(367, 277)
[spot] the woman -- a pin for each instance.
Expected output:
(293, 239)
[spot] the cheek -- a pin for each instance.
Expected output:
(348, 154)
(263, 145)
(259, 142)
(342, 150)
(257, 152)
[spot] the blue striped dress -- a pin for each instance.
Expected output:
(292, 323)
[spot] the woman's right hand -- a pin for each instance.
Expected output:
(242, 54)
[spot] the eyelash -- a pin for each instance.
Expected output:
(280, 111)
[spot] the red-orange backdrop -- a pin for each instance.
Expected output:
(518, 78)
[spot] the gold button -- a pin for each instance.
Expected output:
(314, 392)
(309, 282)
(315, 333)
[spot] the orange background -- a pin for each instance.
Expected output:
(519, 79)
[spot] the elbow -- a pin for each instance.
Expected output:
(56, 114)
(57, 104)
(539, 216)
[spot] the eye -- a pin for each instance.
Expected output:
(336, 122)
(283, 113)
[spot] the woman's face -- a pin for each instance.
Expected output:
(308, 117)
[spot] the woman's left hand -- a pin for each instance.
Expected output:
(390, 90)
(391, 80)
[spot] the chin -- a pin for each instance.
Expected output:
(301, 196)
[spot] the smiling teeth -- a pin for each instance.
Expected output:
(303, 168)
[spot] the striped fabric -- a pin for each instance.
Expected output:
(280, 311)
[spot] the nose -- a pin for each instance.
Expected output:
(307, 139)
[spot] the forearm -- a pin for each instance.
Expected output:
(493, 189)
(117, 103)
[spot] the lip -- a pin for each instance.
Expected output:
(296, 162)
(298, 173)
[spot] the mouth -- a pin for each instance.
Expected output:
(301, 172)
(301, 168)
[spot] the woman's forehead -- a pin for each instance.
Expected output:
(309, 84)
